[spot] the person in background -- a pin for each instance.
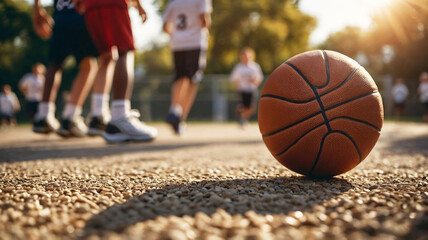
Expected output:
(31, 86)
(187, 22)
(400, 92)
(9, 105)
(109, 25)
(246, 76)
(423, 93)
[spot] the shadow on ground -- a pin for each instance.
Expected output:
(264, 196)
(88, 150)
(414, 145)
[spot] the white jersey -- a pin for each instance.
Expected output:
(188, 32)
(423, 91)
(8, 103)
(34, 87)
(400, 93)
(247, 78)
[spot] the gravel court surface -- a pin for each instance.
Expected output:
(218, 182)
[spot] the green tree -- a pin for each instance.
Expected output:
(20, 47)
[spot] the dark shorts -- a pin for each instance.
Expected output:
(7, 117)
(190, 64)
(425, 107)
(399, 106)
(68, 41)
(110, 26)
(247, 99)
(32, 107)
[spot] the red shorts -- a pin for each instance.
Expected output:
(110, 26)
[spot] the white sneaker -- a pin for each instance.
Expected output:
(129, 128)
(45, 125)
(75, 127)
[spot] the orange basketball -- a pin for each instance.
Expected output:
(320, 113)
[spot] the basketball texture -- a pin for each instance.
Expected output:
(320, 113)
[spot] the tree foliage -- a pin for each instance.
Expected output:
(20, 47)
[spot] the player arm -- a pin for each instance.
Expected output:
(167, 22)
(206, 20)
(23, 87)
(205, 16)
(16, 104)
(258, 77)
(139, 7)
(42, 22)
(234, 76)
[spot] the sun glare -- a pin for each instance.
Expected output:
(375, 6)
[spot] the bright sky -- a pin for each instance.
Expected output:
(332, 16)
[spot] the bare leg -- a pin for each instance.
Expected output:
(52, 82)
(189, 99)
(83, 82)
(179, 90)
(123, 78)
(104, 76)
(247, 113)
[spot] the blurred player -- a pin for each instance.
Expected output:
(423, 93)
(9, 105)
(246, 76)
(109, 24)
(69, 37)
(400, 93)
(31, 85)
(187, 22)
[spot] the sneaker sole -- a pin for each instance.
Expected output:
(95, 132)
(118, 138)
(42, 130)
(64, 133)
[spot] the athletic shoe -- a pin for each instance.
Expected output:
(129, 128)
(97, 126)
(45, 125)
(174, 121)
(73, 128)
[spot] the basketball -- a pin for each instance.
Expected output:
(320, 113)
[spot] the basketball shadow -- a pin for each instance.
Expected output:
(279, 195)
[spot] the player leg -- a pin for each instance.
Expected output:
(189, 99)
(84, 51)
(72, 124)
(104, 25)
(45, 121)
(100, 112)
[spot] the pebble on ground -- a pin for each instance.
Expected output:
(218, 182)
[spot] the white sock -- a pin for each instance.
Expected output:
(120, 108)
(70, 111)
(45, 109)
(176, 109)
(99, 105)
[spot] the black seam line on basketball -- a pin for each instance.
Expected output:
(286, 99)
(298, 139)
(352, 99)
(291, 125)
(315, 93)
(357, 120)
(322, 144)
(343, 83)
(327, 69)
(318, 154)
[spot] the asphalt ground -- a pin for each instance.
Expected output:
(216, 182)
